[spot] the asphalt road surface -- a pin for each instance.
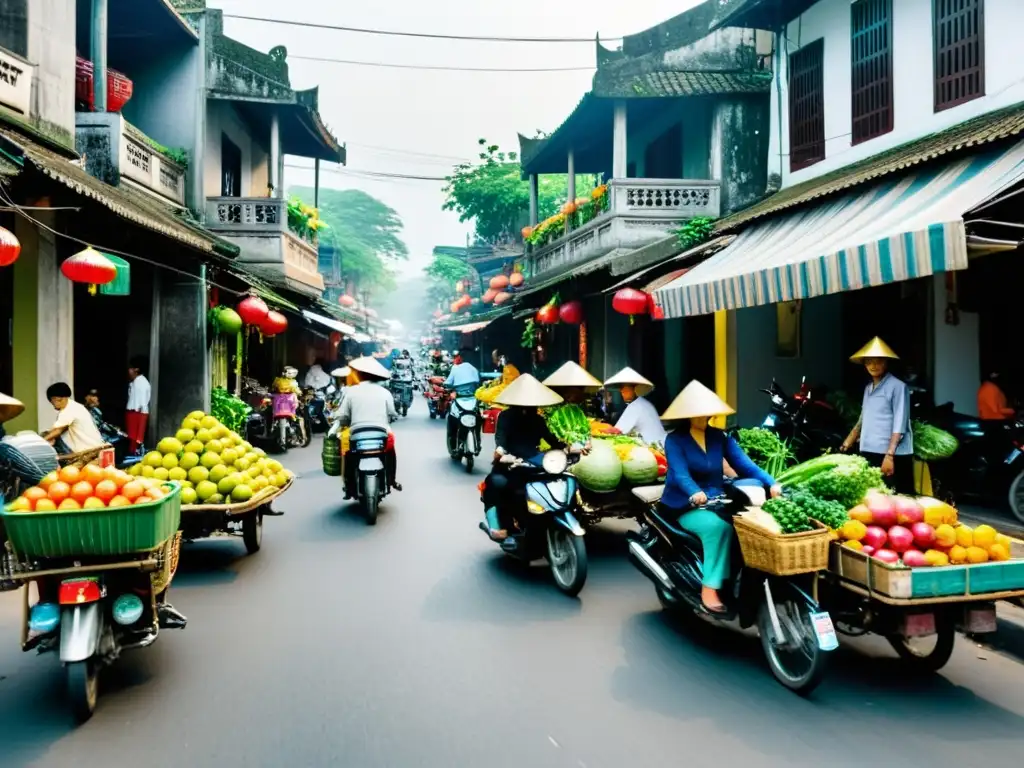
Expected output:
(415, 644)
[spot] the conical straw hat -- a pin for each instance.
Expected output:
(696, 400)
(629, 376)
(369, 367)
(572, 375)
(875, 348)
(341, 373)
(527, 392)
(9, 407)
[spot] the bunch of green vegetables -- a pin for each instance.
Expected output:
(788, 514)
(846, 484)
(932, 443)
(229, 410)
(766, 449)
(831, 513)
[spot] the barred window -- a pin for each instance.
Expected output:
(871, 68)
(807, 106)
(959, 44)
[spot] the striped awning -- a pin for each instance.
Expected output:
(903, 228)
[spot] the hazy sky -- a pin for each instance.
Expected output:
(429, 112)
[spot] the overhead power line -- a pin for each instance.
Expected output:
(397, 151)
(424, 35)
(371, 174)
(438, 68)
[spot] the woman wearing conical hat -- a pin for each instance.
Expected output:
(575, 385)
(640, 416)
(695, 453)
(883, 430)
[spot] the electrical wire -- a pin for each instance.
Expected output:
(411, 153)
(371, 174)
(439, 68)
(423, 35)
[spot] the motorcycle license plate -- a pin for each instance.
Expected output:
(824, 631)
(370, 465)
(769, 421)
(918, 625)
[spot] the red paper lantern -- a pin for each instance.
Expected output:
(630, 301)
(571, 313)
(89, 266)
(502, 297)
(488, 296)
(547, 315)
(346, 301)
(273, 324)
(9, 248)
(656, 312)
(516, 280)
(499, 282)
(252, 310)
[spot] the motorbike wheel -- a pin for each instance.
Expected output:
(923, 656)
(469, 465)
(405, 411)
(252, 532)
(433, 415)
(567, 557)
(800, 663)
(307, 424)
(371, 500)
(83, 688)
(1016, 497)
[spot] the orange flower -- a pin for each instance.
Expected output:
(569, 208)
(599, 192)
(527, 231)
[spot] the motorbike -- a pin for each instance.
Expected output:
(257, 423)
(367, 447)
(314, 405)
(545, 524)
(464, 426)
(796, 635)
(806, 420)
(438, 398)
(401, 388)
(290, 428)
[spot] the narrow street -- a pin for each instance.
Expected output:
(415, 644)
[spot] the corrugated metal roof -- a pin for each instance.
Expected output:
(669, 84)
(1001, 124)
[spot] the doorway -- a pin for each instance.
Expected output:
(231, 168)
(663, 157)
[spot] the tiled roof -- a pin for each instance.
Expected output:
(667, 84)
(994, 126)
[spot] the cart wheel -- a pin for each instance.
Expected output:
(83, 688)
(252, 531)
(927, 654)
(1016, 496)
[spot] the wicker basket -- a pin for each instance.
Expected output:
(170, 552)
(782, 554)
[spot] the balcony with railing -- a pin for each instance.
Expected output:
(260, 227)
(637, 213)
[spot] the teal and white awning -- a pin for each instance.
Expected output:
(906, 227)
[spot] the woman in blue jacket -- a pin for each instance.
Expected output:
(697, 455)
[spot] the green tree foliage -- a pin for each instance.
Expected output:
(365, 233)
(448, 270)
(493, 194)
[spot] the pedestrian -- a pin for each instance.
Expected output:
(74, 430)
(992, 403)
(136, 414)
(498, 360)
(92, 402)
(640, 415)
(883, 430)
(575, 385)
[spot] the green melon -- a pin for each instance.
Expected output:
(600, 470)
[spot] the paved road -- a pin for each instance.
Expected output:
(414, 644)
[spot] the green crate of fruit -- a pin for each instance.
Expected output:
(105, 531)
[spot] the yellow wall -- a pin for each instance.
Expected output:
(25, 337)
(725, 359)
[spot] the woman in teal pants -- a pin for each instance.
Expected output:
(697, 455)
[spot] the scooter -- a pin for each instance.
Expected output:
(438, 398)
(401, 389)
(808, 422)
(314, 403)
(464, 431)
(290, 428)
(545, 523)
(796, 635)
(367, 447)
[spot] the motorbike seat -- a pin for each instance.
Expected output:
(672, 527)
(368, 439)
(649, 494)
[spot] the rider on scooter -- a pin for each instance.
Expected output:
(464, 379)
(368, 404)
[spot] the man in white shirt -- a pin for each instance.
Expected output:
(640, 415)
(368, 404)
(317, 377)
(74, 425)
(137, 411)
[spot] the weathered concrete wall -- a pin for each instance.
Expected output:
(740, 134)
(222, 119)
(179, 364)
(51, 47)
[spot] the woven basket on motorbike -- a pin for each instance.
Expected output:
(81, 458)
(782, 554)
(170, 554)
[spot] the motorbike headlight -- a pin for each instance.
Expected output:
(555, 462)
(468, 420)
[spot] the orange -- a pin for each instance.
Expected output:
(69, 504)
(133, 490)
(106, 490)
(45, 505)
(964, 536)
(853, 544)
(998, 553)
(58, 491)
(958, 554)
(93, 503)
(119, 501)
(936, 558)
(21, 504)
(156, 492)
(121, 477)
(976, 555)
(81, 491)
(70, 474)
(34, 494)
(93, 473)
(48, 480)
(945, 535)
(984, 536)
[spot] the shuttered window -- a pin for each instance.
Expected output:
(959, 42)
(871, 68)
(806, 106)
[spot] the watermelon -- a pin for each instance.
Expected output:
(569, 424)
(640, 467)
(600, 470)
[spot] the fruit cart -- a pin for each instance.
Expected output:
(245, 519)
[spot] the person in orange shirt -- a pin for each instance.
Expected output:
(992, 405)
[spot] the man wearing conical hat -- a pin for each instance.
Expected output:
(575, 385)
(9, 408)
(640, 416)
(368, 404)
(517, 435)
(695, 453)
(883, 430)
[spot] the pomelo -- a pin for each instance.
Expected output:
(185, 435)
(221, 432)
(218, 473)
(229, 455)
(194, 446)
(205, 490)
(226, 485)
(198, 474)
(214, 446)
(188, 496)
(244, 447)
(241, 493)
(204, 436)
(209, 422)
(190, 423)
(170, 461)
(198, 415)
(217, 498)
(209, 460)
(188, 460)
(169, 445)
(178, 474)
(147, 471)
(161, 473)
(242, 464)
(153, 459)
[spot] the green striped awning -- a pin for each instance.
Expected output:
(901, 228)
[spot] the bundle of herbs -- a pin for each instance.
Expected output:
(766, 449)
